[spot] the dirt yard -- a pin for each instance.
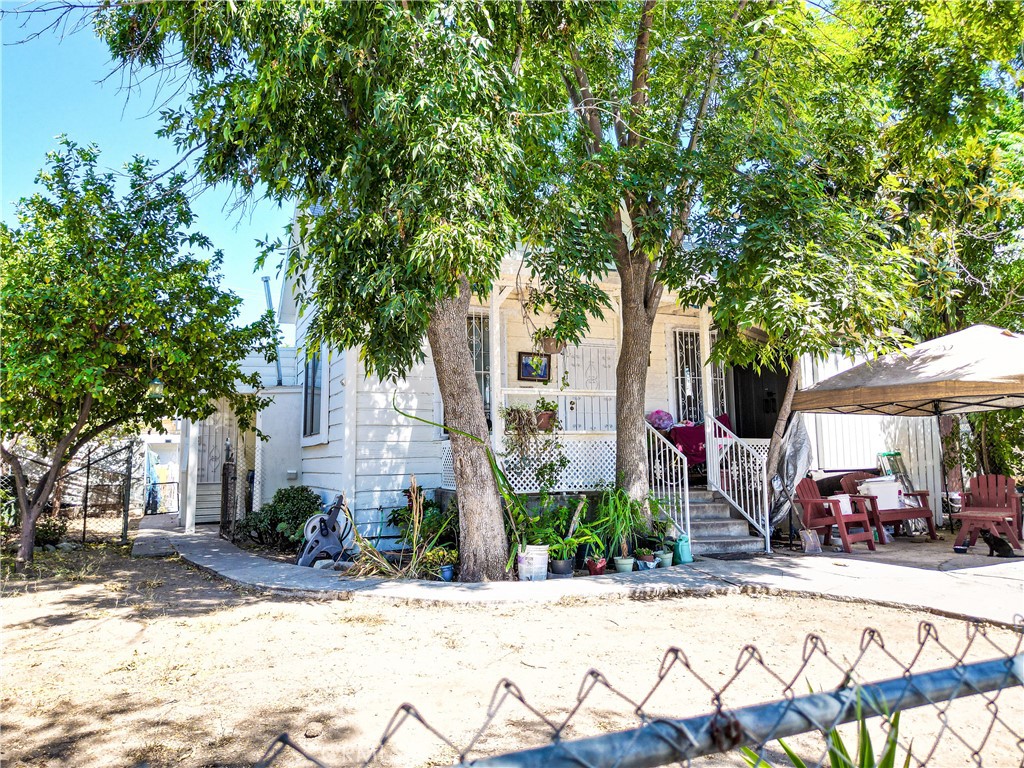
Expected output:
(109, 661)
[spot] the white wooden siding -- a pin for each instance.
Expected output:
(389, 446)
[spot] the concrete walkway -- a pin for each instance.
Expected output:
(992, 593)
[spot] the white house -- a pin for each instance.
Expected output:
(333, 428)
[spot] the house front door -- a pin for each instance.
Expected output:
(756, 398)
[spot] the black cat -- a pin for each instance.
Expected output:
(997, 545)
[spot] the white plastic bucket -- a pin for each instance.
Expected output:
(533, 562)
(845, 505)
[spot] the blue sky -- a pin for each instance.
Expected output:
(52, 86)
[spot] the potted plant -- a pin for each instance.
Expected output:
(563, 551)
(645, 560)
(657, 534)
(440, 563)
(546, 412)
(619, 518)
(528, 447)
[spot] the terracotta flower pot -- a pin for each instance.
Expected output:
(552, 346)
(596, 567)
(545, 420)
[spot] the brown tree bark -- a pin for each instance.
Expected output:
(785, 408)
(483, 547)
(32, 508)
(640, 298)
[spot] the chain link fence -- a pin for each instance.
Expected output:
(97, 498)
(962, 713)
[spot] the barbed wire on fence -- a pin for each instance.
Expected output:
(756, 729)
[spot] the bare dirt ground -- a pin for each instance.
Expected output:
(112, 661)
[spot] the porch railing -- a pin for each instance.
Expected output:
(669, 478)
(736, 469)
(590, 456)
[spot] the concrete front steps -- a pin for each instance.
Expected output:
(713, 528)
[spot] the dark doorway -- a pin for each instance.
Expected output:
(757, 397)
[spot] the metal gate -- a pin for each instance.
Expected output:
(228, 494)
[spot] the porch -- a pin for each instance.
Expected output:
(729, 514)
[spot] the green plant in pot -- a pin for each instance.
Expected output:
(658, 532)
(563, 551)
(440, 563)
(645, 559)
(546, 412)
(619, 518)
(529, 447)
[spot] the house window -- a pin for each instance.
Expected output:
(478, 329)
(311, 387)
(689, 384)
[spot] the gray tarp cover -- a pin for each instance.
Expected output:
(794, 461)
(977, 369)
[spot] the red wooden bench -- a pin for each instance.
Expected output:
(918, 511)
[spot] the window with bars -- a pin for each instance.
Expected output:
(689, 384)
(311, 393)
(478, 330)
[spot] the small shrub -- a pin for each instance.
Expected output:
(433, 559)
(50, 530)
(278, 524)
(437, 528)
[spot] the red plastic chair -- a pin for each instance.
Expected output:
(820, 514)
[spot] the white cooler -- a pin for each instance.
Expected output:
(885, 489)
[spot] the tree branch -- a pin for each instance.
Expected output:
(698, 122)
(589, 103)
(86, 437)
(20, 482)
(641, 58)
(46, 484)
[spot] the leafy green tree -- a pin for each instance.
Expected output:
(100, 294)
(711, 148)
(738, 154)
(388, 124)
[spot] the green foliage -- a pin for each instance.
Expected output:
(8, 506)
(543, 404)
(433, 559)
(278, 524)
(50, 530)
(619, 519)
(531, 448)
(388, 126)
(100, 293)
(436, 526)
(839, 755)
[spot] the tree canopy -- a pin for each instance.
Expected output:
(101, 292)
(388, 126)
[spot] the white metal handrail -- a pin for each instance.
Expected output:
(737, 471)
(669, 478)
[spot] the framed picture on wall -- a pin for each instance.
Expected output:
(534, 366)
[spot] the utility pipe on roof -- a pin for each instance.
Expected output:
(277, 350)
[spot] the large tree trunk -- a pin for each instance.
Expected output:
(27, 538)
(483, 548)
(775, 446)
(639, 306)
